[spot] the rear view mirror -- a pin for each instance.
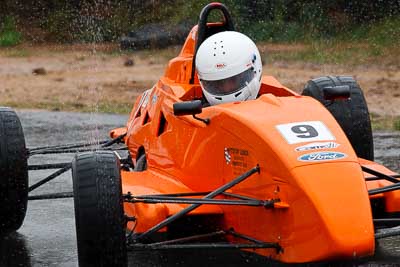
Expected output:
(337, 92)
(188, 108)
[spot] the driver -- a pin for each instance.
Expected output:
(229, 68)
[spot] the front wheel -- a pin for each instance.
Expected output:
(351, 114)
(99, 214)
(13, 172)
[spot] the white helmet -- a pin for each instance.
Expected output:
(229, 68)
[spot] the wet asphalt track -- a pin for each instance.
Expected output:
(47, 237)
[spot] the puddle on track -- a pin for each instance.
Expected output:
(47, 237)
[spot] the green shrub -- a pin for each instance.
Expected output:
(59, 25)
(9, 36)
(396, 124)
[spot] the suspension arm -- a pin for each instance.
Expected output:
(49, 178)
(194, 206)
(254, 203)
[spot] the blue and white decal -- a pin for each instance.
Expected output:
(322, 156)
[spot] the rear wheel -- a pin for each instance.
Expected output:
(99, 215)
(351, 114)
(13, 172)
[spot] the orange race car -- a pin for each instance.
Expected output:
(284, 175)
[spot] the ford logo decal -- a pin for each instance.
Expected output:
(321, 156)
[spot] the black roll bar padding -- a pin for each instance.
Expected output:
(202, 28)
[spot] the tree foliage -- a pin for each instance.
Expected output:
(105, 20)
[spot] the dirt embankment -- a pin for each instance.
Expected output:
(96, 78)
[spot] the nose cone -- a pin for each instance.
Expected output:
(342, 219)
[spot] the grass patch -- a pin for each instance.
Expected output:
(9, 36)
(385, 122)
(336, 52)
(396, 124)
(16, 53)
(358, 45)
(102, 107)
(111, 107)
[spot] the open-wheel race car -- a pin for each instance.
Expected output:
(287, 176)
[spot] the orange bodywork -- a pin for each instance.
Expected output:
(324, 210)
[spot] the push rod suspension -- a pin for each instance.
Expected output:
(185, 211)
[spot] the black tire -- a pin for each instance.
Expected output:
(99, 214)
(351, 114)
(13, 172)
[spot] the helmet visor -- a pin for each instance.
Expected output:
(229, 85)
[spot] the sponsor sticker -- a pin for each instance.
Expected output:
(146, 95)
(321, 145)
(306, 131)
(228, 156)
(141, 102)
(154, 99)
(237, 158)
(322, 156)
(220, 65)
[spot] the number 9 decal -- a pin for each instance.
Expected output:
(306, 131)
